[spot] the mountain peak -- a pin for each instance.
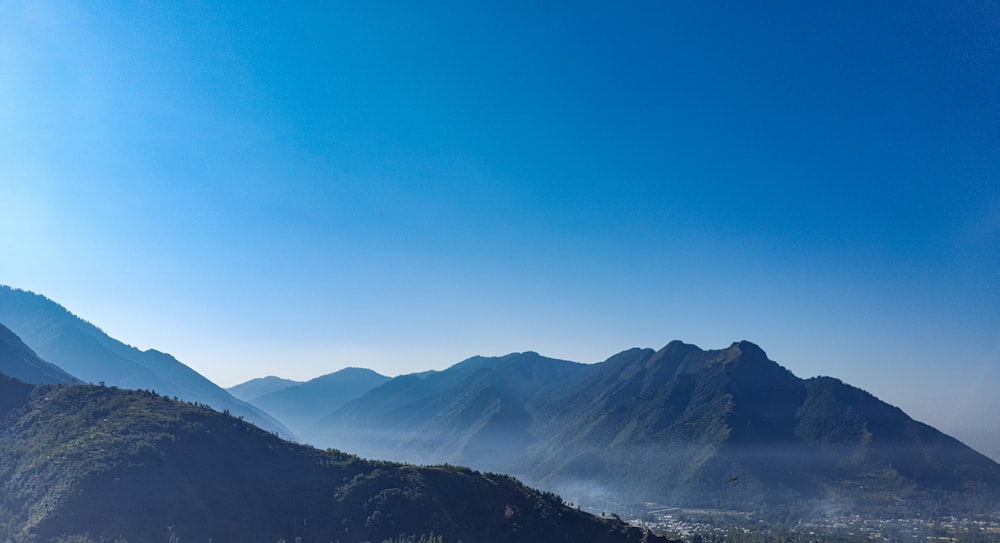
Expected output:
(743, 349)
(524, 355)
(349, 372)
(678, 347)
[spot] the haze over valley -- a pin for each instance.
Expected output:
(728, 272)
(725, 429)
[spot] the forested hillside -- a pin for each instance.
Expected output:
(134, 465)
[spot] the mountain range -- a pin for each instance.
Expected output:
(95, 463)
(300, 405)
(726, 428)
(86, 352)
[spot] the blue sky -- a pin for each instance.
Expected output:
(272, 188)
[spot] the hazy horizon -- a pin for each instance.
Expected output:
(268, 189)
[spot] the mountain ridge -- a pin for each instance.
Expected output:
(254, 388)
(86, 461)
(724, 428)
(85, 351)
(300, 405)
(407, 399)
(18, 360)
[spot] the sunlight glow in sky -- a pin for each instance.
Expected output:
(268, 188)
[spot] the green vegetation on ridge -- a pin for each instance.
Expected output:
(128, 465)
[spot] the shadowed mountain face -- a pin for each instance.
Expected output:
(300, 405)
(86, 352)
(18, 360)
(112, 463)
(719, 428)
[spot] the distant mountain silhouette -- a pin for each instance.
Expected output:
(18, 360)
(299, 406)
(255, 388)
(84, 462)
(720, 428)
(86, 352)
(474, 409)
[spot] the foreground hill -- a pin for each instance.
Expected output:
(86, 352)
(683, 426)
(300, 405)
(118, 464)
(18, 360)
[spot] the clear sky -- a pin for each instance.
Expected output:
(292, 188)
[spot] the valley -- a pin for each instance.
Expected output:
(499, 272)
(722, 429)
(740, 448)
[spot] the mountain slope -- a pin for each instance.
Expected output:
(719, 428)
(18, 360)
(477, 407)
(300, 405)
(114, 463)
(85, 351)
(255, 388)
(702, 418)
